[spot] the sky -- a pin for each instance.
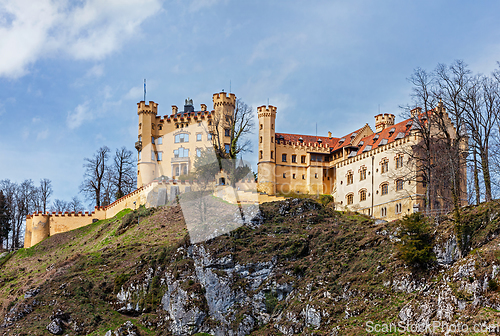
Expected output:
(72, 72)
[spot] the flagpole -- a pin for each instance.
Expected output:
(144, 90)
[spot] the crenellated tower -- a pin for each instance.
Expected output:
(267, 150)
(224, 105)
(146, 162)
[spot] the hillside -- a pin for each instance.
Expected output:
(299, 268)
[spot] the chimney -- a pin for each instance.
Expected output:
(416, 111)
(329, 134)
(174, 109)
(383, 121)
(203, 107)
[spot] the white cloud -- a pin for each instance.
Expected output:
(36, 120)
(81, 114)
(135, 93)
(95, 72)
(91, 29)
(42, 134)
(197, 5)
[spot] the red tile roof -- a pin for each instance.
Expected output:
(307, 139)
(386, 133)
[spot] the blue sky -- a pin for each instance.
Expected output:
(71, 72)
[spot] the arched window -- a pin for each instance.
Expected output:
(398, 208)
(261, 154)
(261, 126)
(399, 161)
(260, 139)
(350, 199)
(350, 177)
(399, 185)
(384, 166)
(362, 173)
(181, 138)
(362, 195)
(383, 212)
(384, 188)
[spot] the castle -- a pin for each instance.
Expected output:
(365, 171)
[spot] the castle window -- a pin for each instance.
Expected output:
(399, 185)
(140, 125)
(260, 139)
(284, 175)
(283, 157)
(261, 154)
(227, 132)
(199, 123)
(362, 195)
(177, 126)
(272, 154)
(153, 126)
(294, 158)
(316, 175)
(384, 188)
(350, 199)
(261, 126)
(227, 148)
(159, 141)
(293, 176)
(198, 152)
(303, 176)
(159, 156)
(198, 136)
(383, 212)
(181, 138)
(350, 178)
(210, 123)
(272, 140)
(181, 152)
(153, 140)
(209, 136)
(303, 159)
(398, 208)
(160, 127)
(384, 166)
(272, 126)
(362, 174)
(139, 156)
(399, 161)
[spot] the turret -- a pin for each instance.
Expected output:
(267, 149)
(146, 162)
(224, 105)
(383, 121)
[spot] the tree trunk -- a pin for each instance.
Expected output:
(486, 175)
(476, 179)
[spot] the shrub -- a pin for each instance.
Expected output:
(325, 199)
(271, 302)
(492, 285)
(415, 247)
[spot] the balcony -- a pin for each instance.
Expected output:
(138, 145)
(180, 159)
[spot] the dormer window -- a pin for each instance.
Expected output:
(341, 140)
(301, 140)
(383, 142)
(391, 131)
(320, 141)
(354, 134)
(375, 138)
(361, 143)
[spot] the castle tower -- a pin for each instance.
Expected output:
(383, 121)
(224, 105)
(40, 228)
(146, 163)
(267, 150)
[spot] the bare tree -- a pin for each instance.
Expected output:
(75, 205)
(452, 82)
(60, 206)
(123, 172)
(4, 220)
(236, 124)
(45, 191)
(95, 175)
(24, 206)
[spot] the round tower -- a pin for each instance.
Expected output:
(146, 162)
(267, 150)
(40, 228)
(224, 105)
